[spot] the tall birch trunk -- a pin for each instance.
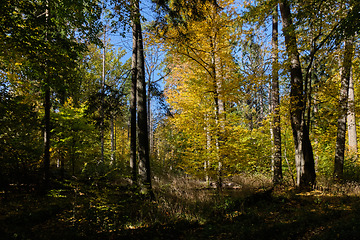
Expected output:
(343, 109)
(304, 158)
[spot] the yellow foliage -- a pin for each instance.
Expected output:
(200, 89)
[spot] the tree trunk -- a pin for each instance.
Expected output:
(47, 109)
(218, 110)
(133, 99)
(47, 132)
(343, 108)
(208, 149)
(143, 137)
(112, 136)
(150, 120)
(351, 119)
(304, 158)
(102, 100)
(275, 104)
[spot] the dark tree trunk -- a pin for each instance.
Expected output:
(102, 124)
(343, 108)
(47, 131)
(143, 136)
(47, 109)
(133, 93)
(304, 158)
(275, 104)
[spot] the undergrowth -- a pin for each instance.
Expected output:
(248, 206)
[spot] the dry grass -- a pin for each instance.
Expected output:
(328, 186)
(194, 200)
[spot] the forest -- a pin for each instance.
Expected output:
(181, 119)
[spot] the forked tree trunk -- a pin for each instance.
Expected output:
(275, 104)
(304, 158)
(343, 108)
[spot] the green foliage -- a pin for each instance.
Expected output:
(74, 137)
(20, 138)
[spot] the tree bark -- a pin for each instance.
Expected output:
(143, 136)
(351, 119)
(112, 136)
(133, 99)
(102, 100)
(47, 109)
(47, 133)
(304, 158)
(343, 108)
(275, 103)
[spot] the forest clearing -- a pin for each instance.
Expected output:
(179, 119)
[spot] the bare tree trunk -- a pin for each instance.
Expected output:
(47, 133)
(112, 136)
(352, 135)
(47, 108)
(150, 120)
(304, 157)
(133, 98)
(143, 136)
(208, 149)
(218, 108)
(102, 100)
(343, 109)
(275, 104)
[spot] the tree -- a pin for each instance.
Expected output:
(46, 34)
(351, 119)
(202, 88)
(20, 140)
(275, 102)
(343, 109)
(304, 158)
(138, 96)
(133, 98)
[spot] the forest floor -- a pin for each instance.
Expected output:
(183, 209)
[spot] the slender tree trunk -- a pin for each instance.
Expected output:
(112, 136)
(218, 105)
(133, 98)
(102, 99)
(47, 109)
(304, 157)
(62, 165)
(150, 121)
(47, 133)
(352, 135)
(143, 136)
(208, 149)
(275, 104)
(343, 109)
